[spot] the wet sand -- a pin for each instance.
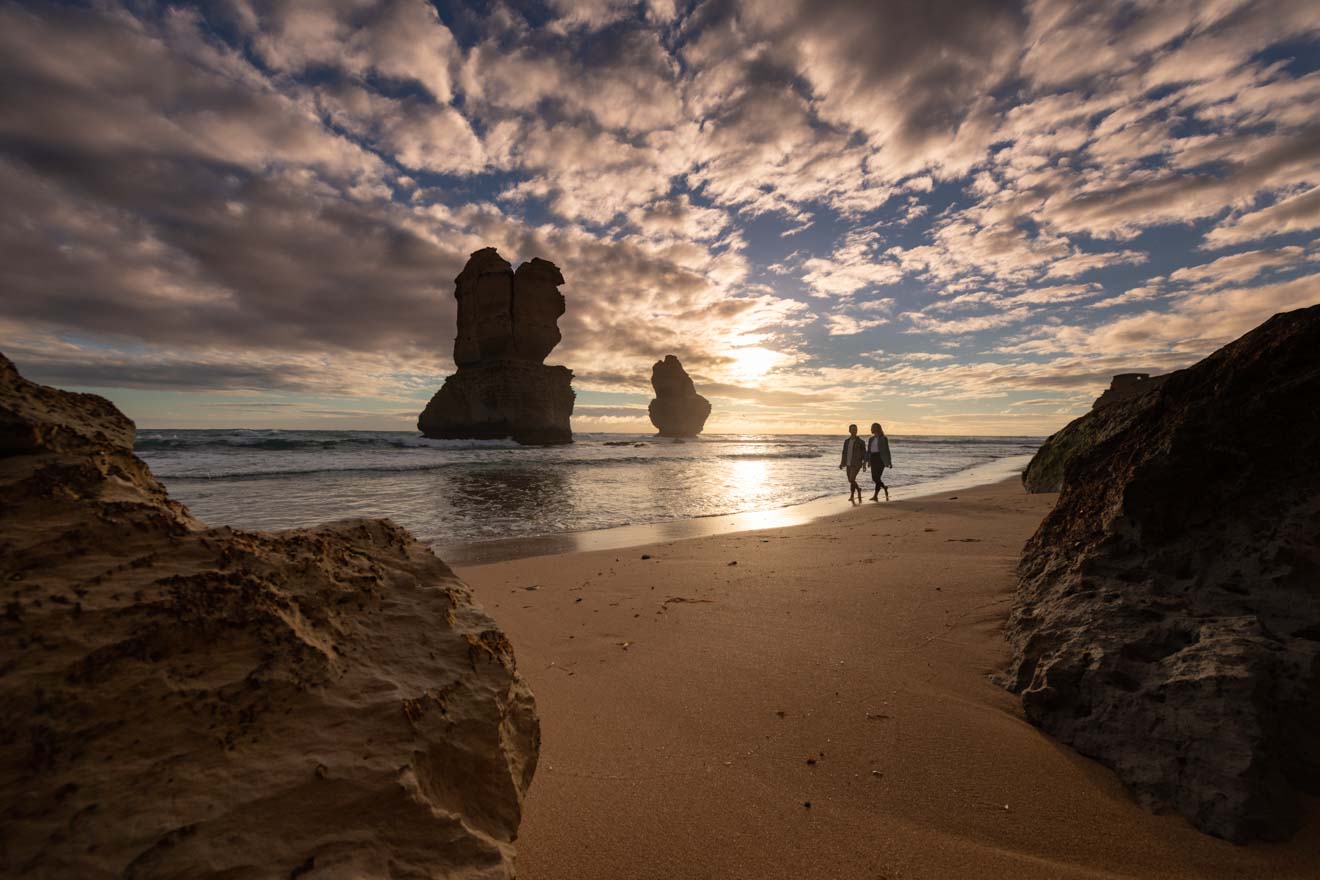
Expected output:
(692, 708)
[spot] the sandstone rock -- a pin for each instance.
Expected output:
(537, 305)
(484, 290)
(529, 402)
(678, 410)
(1127, 386)
(203, 703)
(507, 326)
(1128, 395)
(1167, 619)
(1046, 470)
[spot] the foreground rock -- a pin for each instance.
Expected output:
(1167, 620)
(205, 703)
(1127, 396)
(507, 325)
(678, 410)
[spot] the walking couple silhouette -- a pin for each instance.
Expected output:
(871, 453)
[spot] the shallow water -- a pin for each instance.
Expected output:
(457, 491)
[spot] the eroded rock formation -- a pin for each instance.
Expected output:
(1127, 386)
(191, 702)
(678, 410)
(1128, 395)
(1167, 619)
(507, 326)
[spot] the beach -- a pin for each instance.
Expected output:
(816, 701)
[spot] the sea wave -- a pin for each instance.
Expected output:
(768, 456)
(519, 462)
(243, 442)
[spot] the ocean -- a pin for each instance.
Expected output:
(453, 492)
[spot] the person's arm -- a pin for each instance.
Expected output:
(844, 460)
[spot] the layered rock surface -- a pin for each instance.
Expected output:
(1167, 619)
(191, 702)
(507, 326)
(677, 410)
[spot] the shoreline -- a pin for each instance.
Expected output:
(467, 553)
(696, 695)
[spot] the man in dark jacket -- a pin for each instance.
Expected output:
(854, 460)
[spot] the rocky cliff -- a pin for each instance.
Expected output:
(678, 410)
(507, 326)
(204, 703)
(1167, 619)
(1125, 398)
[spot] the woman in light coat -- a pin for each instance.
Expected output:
(877, 453)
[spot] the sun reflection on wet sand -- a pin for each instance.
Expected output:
(750, 471)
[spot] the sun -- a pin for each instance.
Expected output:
(753, 362)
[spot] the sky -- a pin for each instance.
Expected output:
(951, 216)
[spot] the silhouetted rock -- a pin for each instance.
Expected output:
(507, 325)
(537, 305)
(1167, 619)
(678, 410)
(204, 703)
(1045, 471)
(1127, 386)
(1128, 394)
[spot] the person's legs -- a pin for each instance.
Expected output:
(877, 469)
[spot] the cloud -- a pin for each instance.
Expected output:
(855, 265)
(847, 325)
(616, 412)
(1298, 213)
(395, 38)
(269, 195)
(1243, 267)
(922, 323)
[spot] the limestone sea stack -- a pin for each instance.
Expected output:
(507, 324)
(678, 410)
(184, 701)
(1167, 617)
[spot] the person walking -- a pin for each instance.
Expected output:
(877, 453)
(854, 460)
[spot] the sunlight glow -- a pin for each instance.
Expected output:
(753, 363)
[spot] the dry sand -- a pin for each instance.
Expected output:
(691, 708)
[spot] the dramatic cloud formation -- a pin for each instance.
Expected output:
(963, 215)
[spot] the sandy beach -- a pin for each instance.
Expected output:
(816, 701)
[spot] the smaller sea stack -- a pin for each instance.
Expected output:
(678, 410)
(507, 325)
